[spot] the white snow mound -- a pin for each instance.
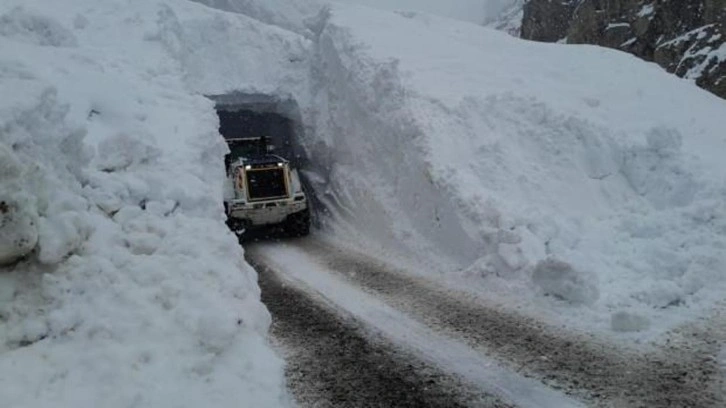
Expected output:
(122, 285)
(453, 141)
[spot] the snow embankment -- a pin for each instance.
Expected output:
(121, 285)
(575, 180)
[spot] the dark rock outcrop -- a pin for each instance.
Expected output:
(687, 38)
(547, 21)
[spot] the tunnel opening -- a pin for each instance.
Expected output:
(255, 115)
(245, 115)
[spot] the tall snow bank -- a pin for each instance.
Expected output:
(122, 285)
(572, 179)
(233, 53)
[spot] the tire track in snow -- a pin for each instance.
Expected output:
(679, 374)
(384, 322)
(332, 362)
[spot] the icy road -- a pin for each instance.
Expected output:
(358, 332)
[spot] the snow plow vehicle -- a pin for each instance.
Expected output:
(263, 189)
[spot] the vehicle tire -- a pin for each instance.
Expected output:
(298, 224)
(238, 226)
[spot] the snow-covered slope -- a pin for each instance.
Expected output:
(136, 293)
(578, 173)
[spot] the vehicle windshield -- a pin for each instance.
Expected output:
(246, 147)
(251, 147)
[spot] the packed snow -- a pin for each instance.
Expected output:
(577, 183)
(121, 284)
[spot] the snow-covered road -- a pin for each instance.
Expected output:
(478, 347)
(334, 361)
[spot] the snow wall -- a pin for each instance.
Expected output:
(121, 285)
(573, 180)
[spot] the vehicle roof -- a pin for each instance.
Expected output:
(262, 159)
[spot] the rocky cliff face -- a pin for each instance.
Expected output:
(687, 38)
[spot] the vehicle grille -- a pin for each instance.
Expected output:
(266, 184)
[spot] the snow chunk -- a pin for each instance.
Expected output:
(122, 150)
(30, 27)
(562, 280)
(60, 235)
(18, 230)
(656, 172)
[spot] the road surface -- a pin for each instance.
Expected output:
(357, 332)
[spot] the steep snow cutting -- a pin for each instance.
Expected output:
(568, 181)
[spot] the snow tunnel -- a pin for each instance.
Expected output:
(278, 118)
(252, 115)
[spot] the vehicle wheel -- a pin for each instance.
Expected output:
(298, 224)
(238, 226)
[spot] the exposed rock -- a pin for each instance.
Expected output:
(687, 38)
(547, 20)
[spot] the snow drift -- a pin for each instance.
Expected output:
(577, 174)
(122, 285)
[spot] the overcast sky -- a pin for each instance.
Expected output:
(476, 11)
